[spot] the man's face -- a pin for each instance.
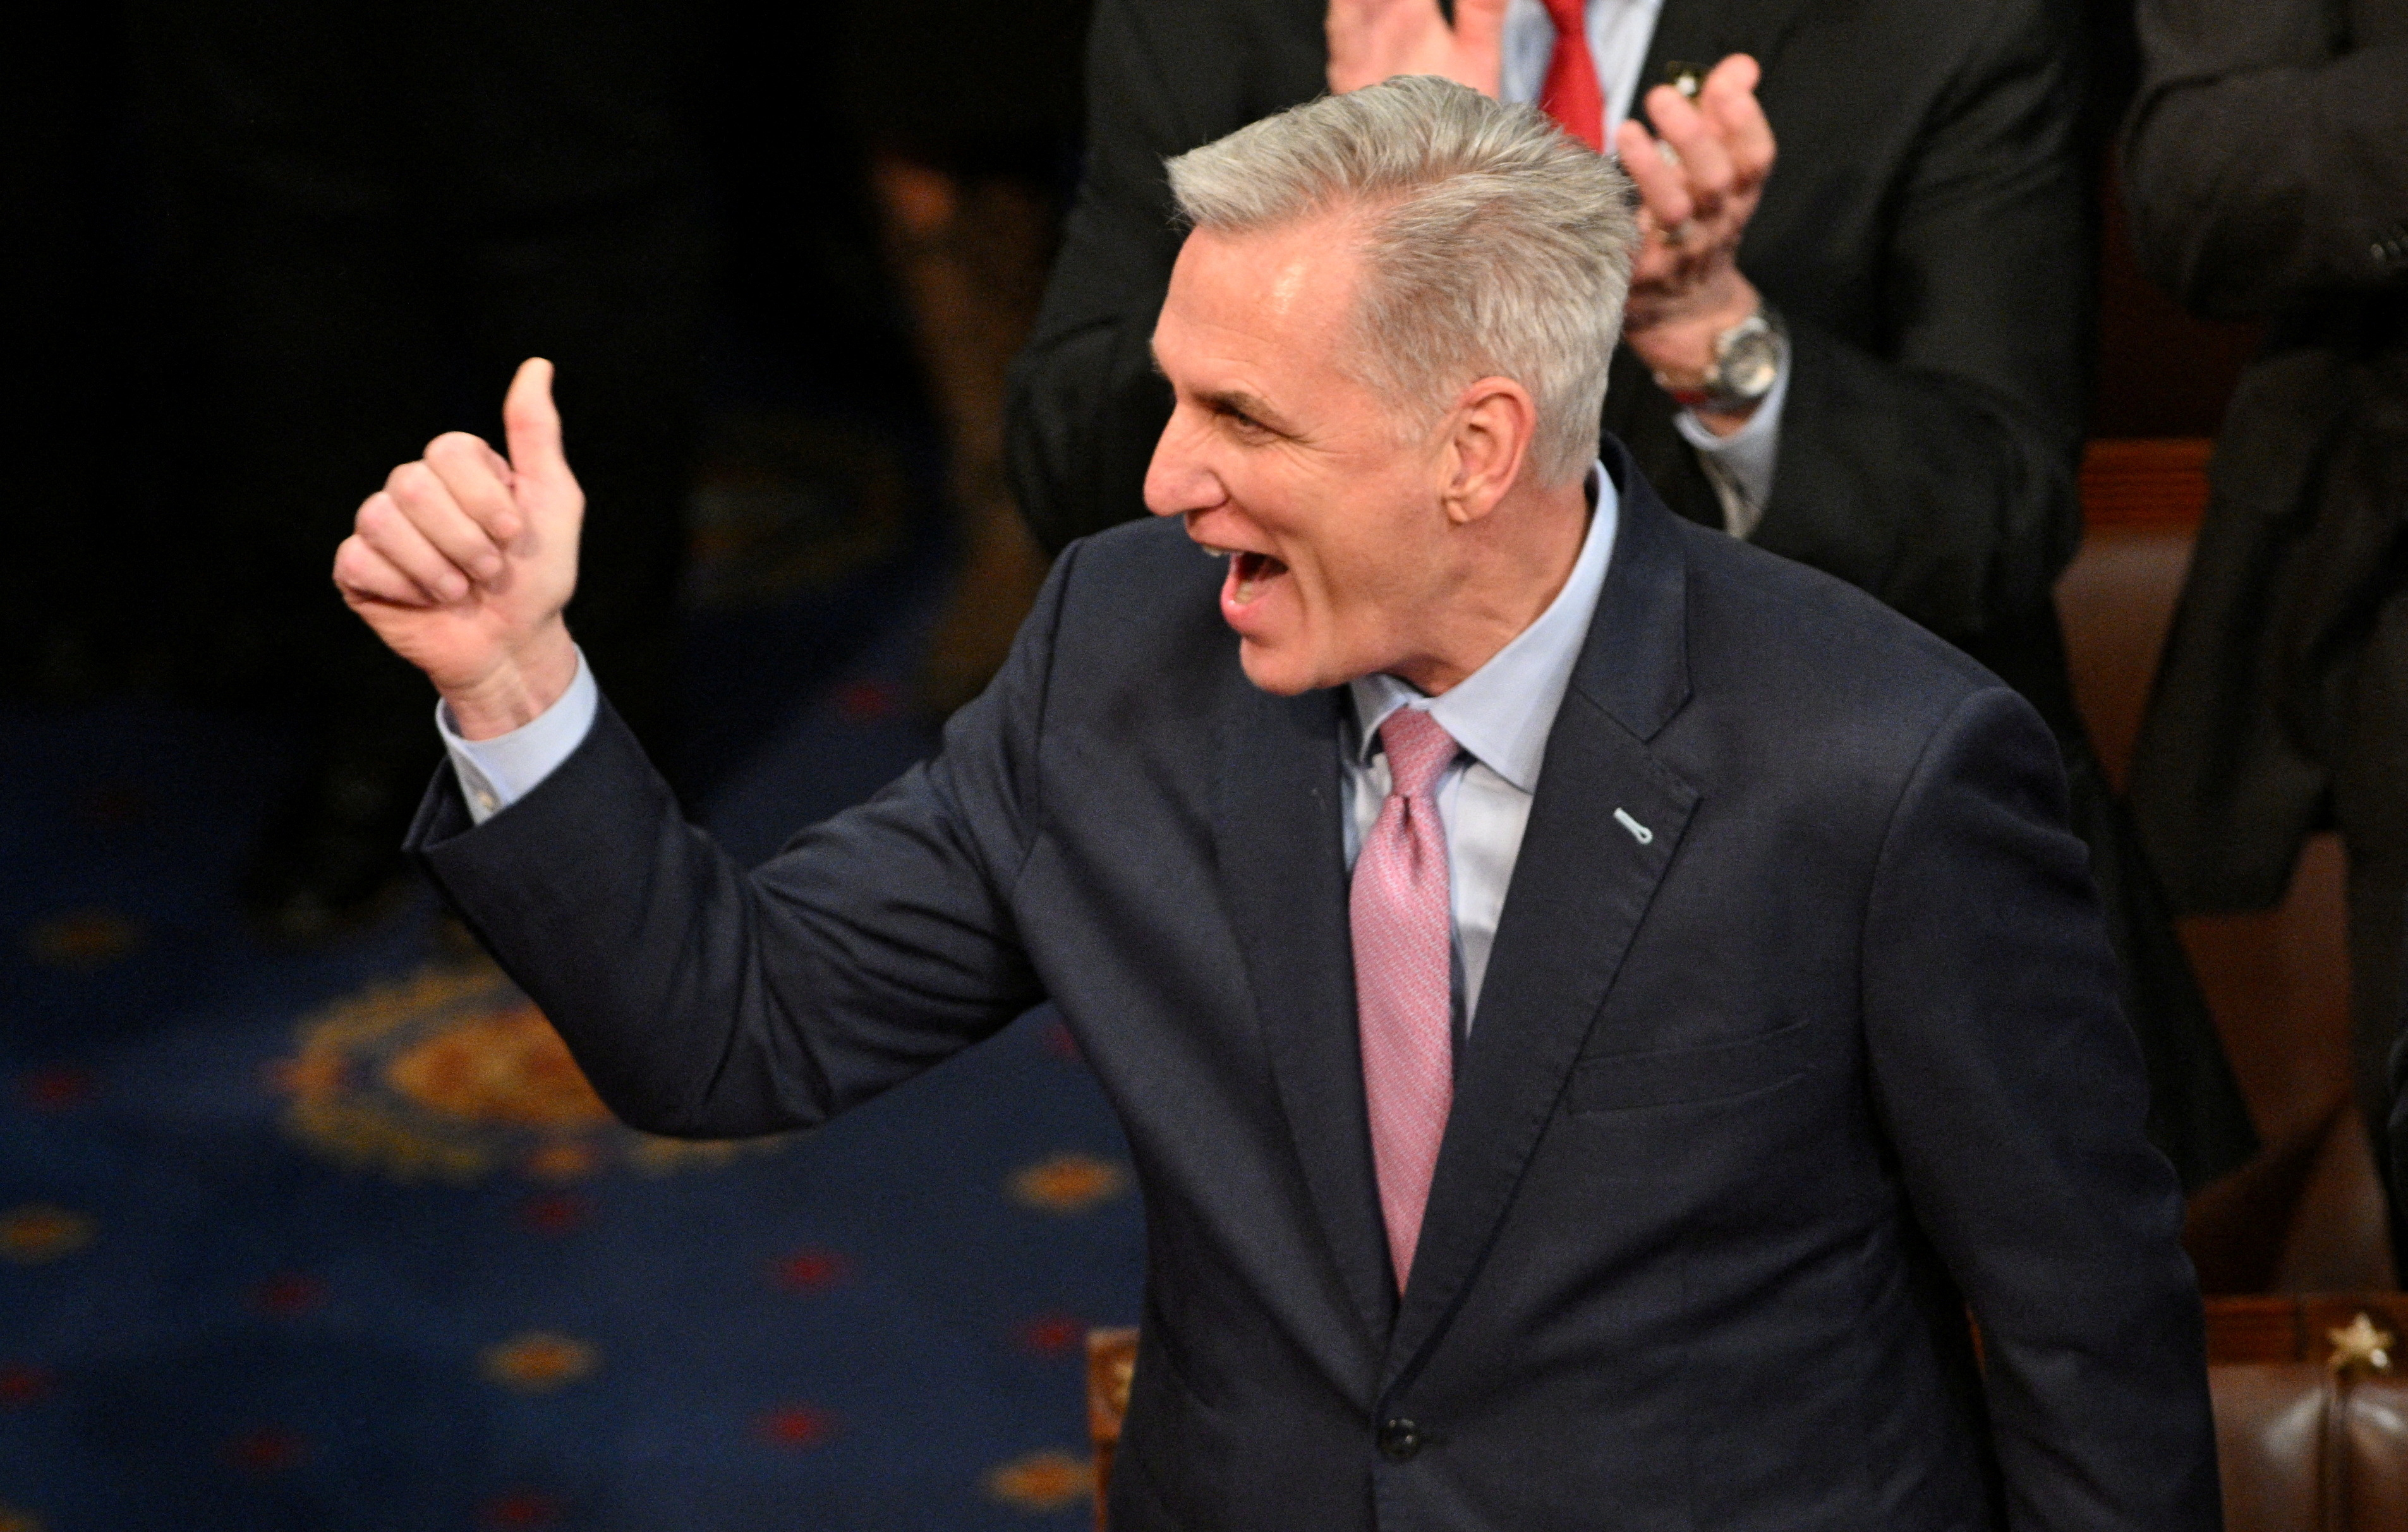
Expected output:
(1275, 455)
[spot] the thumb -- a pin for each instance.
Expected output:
(531, 424)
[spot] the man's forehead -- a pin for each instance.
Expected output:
(1258, 294)
(1298, 273)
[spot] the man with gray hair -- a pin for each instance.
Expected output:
(1594, 1005)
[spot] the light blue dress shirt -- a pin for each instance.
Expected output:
(497, 772)
(1619, 32)
(1500, 714)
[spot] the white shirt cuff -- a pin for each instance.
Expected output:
(1742, 465)
(497, 772)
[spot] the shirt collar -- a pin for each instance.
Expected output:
(1501, 713)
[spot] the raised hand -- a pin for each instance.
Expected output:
(1373, 40)
(1686, 287)
(465, 559)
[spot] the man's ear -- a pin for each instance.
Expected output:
(1490, 432)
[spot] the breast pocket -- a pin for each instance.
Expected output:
(1675, 1077)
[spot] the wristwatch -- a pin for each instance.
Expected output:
(1747, 363)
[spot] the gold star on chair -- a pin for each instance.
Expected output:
(2361, 1345)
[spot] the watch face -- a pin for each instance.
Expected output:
(1751, 363)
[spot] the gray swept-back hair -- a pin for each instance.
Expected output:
(1493, 245)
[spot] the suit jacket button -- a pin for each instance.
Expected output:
(1399, 1439)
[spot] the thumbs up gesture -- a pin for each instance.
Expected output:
(465, 559)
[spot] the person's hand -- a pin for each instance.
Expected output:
(464, 561)
(1686, 287)
(1373, 40)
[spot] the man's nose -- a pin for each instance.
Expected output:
(1179, 481)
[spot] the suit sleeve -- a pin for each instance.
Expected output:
(1934, 466)
(2014, 1095)
(2263, 163)
(705, 1001)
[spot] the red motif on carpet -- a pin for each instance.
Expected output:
(809, 1270)
(519, 1513)
(61, 1089)
(269, 1450)
(21, 1385)
(1050, 1335)
(797, 1425)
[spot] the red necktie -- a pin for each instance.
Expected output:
(1570, 95)
(1404, 963)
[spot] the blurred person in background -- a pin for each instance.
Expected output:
(371, 213)
(1868, 356)
(970, 115)
(2266, 164)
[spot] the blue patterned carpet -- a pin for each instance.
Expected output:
(339, 1241)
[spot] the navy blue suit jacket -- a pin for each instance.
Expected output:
(1757, 1109)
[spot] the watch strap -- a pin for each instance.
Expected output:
(1715, 390)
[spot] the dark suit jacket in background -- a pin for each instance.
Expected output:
(1753, 1113)
(2266, 167)
(1924, 236)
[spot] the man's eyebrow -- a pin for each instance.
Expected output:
(1226, 401)
(1234, 401)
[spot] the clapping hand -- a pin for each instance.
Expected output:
(1373, 40)
(464, 562)
(1686, 287)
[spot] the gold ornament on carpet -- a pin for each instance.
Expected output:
(1042, 1481)
(538, 1361)
(83, 941)
(1068, 1183)
(37, 1232)
(454, 1075)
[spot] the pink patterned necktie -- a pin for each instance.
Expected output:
(1404, 959)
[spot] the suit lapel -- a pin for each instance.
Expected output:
(1603, 829)
(1284, 875)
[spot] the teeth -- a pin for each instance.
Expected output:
(1249, 567)
(1213, 552)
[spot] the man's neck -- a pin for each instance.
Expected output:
(1526, 550)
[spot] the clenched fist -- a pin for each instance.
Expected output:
(465, 559)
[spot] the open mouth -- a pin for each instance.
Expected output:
(1249, 575)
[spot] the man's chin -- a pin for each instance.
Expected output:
(1282, 670)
